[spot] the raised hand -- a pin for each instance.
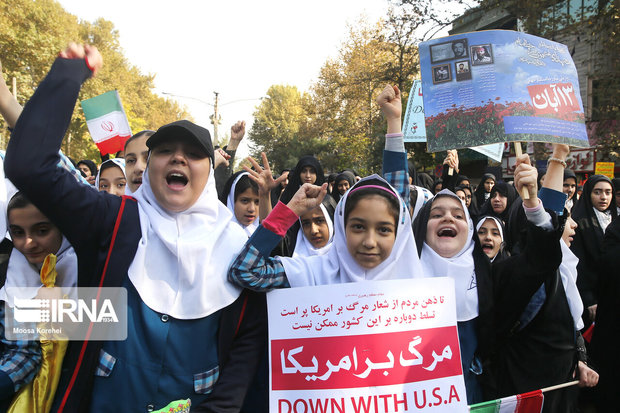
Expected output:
(93, 58)
(221, 158)
(452, 159)
(307, 198)
(237, 132)
(526, 176)
(262, 175)
(389, 101)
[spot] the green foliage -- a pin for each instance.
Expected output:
(31, 35)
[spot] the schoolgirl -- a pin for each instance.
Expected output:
(240, 195)
(372, 232)
(111, 177)
(307, 170)
(317, 232)
(344, 181)
(483, 191)
(490, 232)
(490, 297)
(593, 212)
(372, 228)
(191, 334)
(501, 198)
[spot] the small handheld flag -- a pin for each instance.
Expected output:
(107, 122)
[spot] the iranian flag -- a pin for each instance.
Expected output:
(107, 122)
(531, 402)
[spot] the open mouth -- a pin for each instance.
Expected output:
(137, 181)
(487, 247)
(446, 232)
(176, 180)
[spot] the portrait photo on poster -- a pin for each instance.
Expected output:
(462, 70)
(481, 54)
(442, 73)
(456, 49)
(459, 48)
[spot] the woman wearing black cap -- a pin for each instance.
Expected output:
(169, 248)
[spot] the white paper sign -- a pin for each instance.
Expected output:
(375, 346)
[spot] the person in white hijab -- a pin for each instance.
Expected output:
(489, 298)
(243, 201)
(111, 177)
(316, 234)
(190, 332)
(351, 258)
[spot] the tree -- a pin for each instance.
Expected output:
(281, 129)
(31, 35)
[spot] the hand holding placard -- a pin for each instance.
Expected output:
(526, 181)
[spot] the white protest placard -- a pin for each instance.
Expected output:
(374, 346)
(413, 126)
(493, 151)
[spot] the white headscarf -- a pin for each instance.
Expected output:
(230, 204)
(568, 273)
(182, 259)
(120, 162)
(304, 248)
(23, 279)
(337, 266)
(460, 268)
(497, 223)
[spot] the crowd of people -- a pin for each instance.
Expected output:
(196, 246)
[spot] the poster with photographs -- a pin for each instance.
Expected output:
(497, 86)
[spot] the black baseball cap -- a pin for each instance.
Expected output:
(182, 129)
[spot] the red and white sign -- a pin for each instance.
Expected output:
(375, 346)
(557, 98)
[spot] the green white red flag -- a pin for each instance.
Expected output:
(107, 122)
(531, 402)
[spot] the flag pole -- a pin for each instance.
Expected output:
(560, 386)
(524, 194)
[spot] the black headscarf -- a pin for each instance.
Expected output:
(343, 176)
(587, 243)
(583, 209)
(91, 165)
(425, 181)
(503, 189)
(570, 174)
(294, 177)
(479, 194)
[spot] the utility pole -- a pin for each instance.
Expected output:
(216, 120)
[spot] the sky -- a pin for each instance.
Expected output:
(235, 48)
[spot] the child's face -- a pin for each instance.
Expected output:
(601, 195)
(136, 155)
(488, 185)
(343, 186)
(490, 238)
(499, 203)
(447, 227)
(315, 227)
(246, 207)
(33, 234)
(308, 175)
(371, 231)
(178, 173)
(112, 180)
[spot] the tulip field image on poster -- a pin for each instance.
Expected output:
(506, 86)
